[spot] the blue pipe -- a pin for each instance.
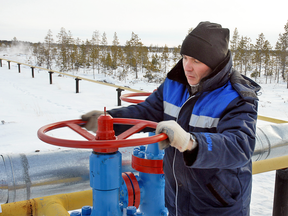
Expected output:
(152, 198)
(105, 180)
(153, 203)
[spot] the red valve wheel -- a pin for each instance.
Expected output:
(101, 145)
(126, 97)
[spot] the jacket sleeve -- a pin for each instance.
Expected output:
(233, 144)
(151, 109)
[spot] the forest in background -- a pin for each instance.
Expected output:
(96, 55)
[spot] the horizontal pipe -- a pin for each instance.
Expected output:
(273, 120)
(271, 141)
(27, 176)
(83, 78)
(56, 205)
(270, 164)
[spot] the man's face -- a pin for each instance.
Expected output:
(194, 70)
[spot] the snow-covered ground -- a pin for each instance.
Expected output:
(27, 103)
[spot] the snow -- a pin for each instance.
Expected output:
(27, 103)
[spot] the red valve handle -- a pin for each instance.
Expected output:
(101, 145)
(126, 97)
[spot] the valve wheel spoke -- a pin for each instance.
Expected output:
(136, 128)
(78, 129)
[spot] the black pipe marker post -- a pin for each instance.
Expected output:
(19, 68)
(0, 62)
(119, 90)
(8, 65)
(50, 72)
(77, 84)
(280, 205)
(32, 68)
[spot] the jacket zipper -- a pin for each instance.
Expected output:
(173, 164)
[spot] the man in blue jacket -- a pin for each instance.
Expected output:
(208, 111)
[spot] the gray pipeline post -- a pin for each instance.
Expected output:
(32, 68)
(19, 70)
(50, 76)
(77, 84)
(8, 65)
(119, 90)
(280, 205)
(0, 62)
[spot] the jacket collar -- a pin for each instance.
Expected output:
(219, 76)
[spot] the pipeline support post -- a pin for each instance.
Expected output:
(77, 84)
(119, 90)
(19, 70)
(280, 205)
(8, 65)
(50, 76)
(32, 68)
(0, 62)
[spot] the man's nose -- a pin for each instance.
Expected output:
(188, 66)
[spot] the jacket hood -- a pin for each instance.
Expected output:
(218, 77)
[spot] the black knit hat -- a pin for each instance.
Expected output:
(208, 43)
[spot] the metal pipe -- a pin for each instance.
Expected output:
(57, 205)
(27, 176)
(271, 142)
(270, 164)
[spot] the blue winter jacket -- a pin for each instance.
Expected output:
(215, 178)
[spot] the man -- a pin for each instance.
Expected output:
(209, 113)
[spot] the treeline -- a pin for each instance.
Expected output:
(95, 55)
(71, 55)
(261, 58)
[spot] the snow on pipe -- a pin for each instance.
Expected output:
(37, 174)
(27, 176)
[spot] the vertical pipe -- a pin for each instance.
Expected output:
(77, 84)
(8, 65)
(152, 202)
(32, 68)
(280, 206)
(105, 180)
(50, 76)
(0, 62)
(19, 70)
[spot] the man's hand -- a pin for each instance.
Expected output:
(177, 137)
(92, 118)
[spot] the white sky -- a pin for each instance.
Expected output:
(156, 22)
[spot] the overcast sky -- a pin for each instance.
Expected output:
(156, 22)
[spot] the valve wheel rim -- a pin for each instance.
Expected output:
(127, 97)
(91, 143)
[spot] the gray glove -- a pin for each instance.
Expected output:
(177, 136)
(92, 120)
